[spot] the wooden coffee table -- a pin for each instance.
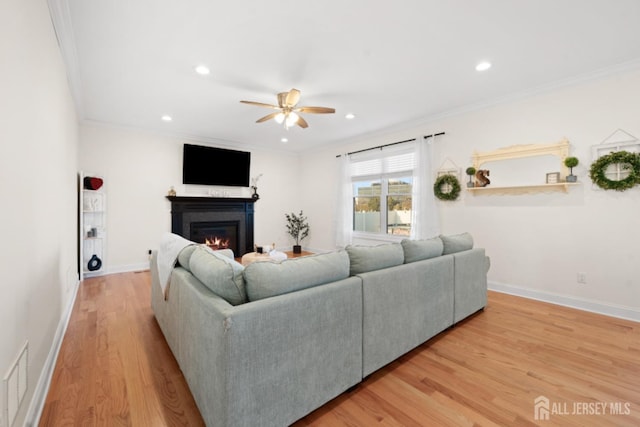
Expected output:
(250, 257)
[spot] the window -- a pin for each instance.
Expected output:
(382, 191)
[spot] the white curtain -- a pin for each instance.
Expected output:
(344, 203)
(425, 220)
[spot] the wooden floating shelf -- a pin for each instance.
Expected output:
(524, 189)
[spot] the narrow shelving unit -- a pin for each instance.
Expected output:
(92, 228)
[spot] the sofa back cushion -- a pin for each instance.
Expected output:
(221, 274)
(268, 279)
(371, 258)
(416, 250)
(457, 243)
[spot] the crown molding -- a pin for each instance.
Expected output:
(63, 28)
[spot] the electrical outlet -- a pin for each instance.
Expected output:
(582, 278)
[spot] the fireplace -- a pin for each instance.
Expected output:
(216, 234)
(224, 221)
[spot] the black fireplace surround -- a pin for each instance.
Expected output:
(189, 215)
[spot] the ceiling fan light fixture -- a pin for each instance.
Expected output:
(292, 119)
(287, 110)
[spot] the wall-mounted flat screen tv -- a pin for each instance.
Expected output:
(215, 166)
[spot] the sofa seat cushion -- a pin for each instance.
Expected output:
(371, 258)
(268, 279)
(456, 243)
(221, 274)
(417, 250)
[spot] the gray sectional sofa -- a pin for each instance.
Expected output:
(266, 344)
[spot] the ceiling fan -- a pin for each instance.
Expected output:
(288, 112)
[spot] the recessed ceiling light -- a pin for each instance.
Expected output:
(284, 140)
(203, 70)
(166, 118)
(350, 116)
(483, 66)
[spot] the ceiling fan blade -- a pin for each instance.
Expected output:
(316, 110)
(292, 98)
(302, 122)
(261, 104)
(267, 117)
(282, 99)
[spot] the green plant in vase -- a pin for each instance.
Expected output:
(571, 162)
(298, 228)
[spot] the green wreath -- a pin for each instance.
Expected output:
(446, 180)
(631, 162)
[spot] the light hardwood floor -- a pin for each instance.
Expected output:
(115, 368)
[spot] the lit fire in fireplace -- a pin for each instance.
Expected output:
(216, 242)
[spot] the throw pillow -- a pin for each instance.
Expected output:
(457, 243)
(222, 275)
(371, 258)
(185, 255)
(416, 250)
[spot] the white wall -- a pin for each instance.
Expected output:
(537, 243)
(140, 167)
(38, 161)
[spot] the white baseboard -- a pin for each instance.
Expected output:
(128, 268)
(34, 412)
(613, 310)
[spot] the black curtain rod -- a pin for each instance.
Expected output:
(380, 147)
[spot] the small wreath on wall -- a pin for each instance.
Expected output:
(451, 182)
(630, 162)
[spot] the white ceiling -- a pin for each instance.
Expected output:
(389, 62)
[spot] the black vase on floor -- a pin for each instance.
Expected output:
(297, 249)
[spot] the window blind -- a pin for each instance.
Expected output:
(384, 162)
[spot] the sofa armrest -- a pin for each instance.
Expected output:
(272, 361)
(470, 282)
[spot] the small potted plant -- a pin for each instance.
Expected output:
(298, 228)
(571, 162)
(471, 171)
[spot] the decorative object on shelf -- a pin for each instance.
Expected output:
(571, 162)
(628, 162)
(481, 178)
(446, 187)
(94, 263)
(172, 192)
(553, 177)
(92, 183)
(471, 171)
(298, 228)
(254, 187)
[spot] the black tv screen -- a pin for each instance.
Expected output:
(215, 166)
